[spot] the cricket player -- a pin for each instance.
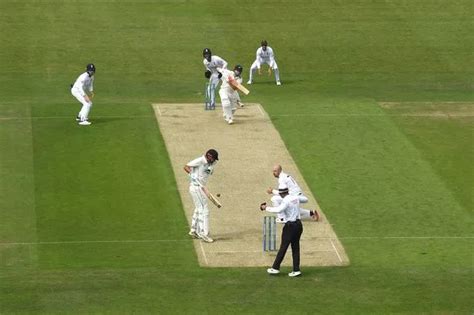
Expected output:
(211, 63)
(285, 180)
(265, 55)
(199, 171)
(83, 91)
(228, 92)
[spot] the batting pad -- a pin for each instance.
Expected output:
(248, 150)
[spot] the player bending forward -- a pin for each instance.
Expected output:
(211, 63)
(286, 180)
(265, 55)
(83, 91)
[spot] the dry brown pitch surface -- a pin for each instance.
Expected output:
(247, 152)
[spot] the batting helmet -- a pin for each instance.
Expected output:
(206, 53)
(238, 69)
(90, 68)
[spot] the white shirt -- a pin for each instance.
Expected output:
(216, 62)
(289, 208)
(200, 170)
(265, 55)
(285, 180)
(227, 76)
(84, 84)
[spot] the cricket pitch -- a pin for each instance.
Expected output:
(248, 150)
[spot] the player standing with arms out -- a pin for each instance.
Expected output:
(83, 91)
(199, 171)
(265, 55)
(228, 93)
(287, 180)
(211, 63)
(289, 209)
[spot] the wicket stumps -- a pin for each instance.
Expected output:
(269, 233)
(209, 91)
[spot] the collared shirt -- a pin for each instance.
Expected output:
(84, 84)
(285, 180)
(201, 169)
(265, 55)
(289, 208)
(216, 62)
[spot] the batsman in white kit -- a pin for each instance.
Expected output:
(83, 91)
(265, 55)
(286, 180)
(211, 63)
(199, 171)
(228, 92)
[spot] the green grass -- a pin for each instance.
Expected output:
(398, 189)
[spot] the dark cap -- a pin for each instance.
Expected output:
(213, 153)
(283, 190)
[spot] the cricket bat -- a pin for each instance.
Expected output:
(239, 87)
(210, 196)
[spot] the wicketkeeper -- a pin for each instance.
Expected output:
(212, 62)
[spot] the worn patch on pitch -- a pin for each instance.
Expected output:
(248, 150)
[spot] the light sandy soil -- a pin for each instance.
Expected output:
(247, 152)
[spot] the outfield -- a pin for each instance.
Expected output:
(376, 109)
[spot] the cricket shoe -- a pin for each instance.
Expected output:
(240, 104)
(230, 121)
(278, 83)
(84, 123)
(295, 273)
(205, 238)
(249, 82)
(193, 234)
(78, 118)
(273, 271)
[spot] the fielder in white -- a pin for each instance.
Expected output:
(199, 171)
(265, 55)
(285, 180)
(227, 92)
(212, 63)
(83, 90)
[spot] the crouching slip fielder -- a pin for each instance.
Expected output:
(228, 93)
(285, 180)
(83, 90)
(212, 62)
(265, 55)
(199, 171)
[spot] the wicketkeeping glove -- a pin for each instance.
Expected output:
(263, 206)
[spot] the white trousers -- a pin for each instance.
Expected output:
(86, 106)
(211, 88)
(257, 64)
(229, 103)
(304, 213)
(200, 220)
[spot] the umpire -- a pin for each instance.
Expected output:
(289, 209)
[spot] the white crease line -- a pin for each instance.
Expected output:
(404, 237)
(261, 110)
(371, 115)
(261, 251)
(69, 117)
(157, 107)
(203, 253)
(90, 242)
(337, 253)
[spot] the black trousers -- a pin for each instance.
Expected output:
(291, 234)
